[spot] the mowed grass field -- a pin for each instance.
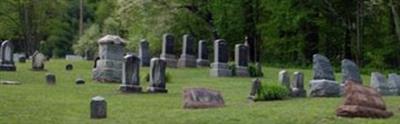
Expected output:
(35, 102)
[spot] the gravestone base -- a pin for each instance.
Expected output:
(156, 90)
(7, 67)
(242, 71)
(296, 92)
(130, 89)
(202, 63)
(324, 88)
(170, 59)
(108, 71)
(187, 61)
(220, 70)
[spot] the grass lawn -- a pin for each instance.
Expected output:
(36, 102)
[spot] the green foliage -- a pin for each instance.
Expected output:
(254, 71)
(88, 41)
(275, 92)
(232, 67)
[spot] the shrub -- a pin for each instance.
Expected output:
(275, 92)
(254, 71)
(232, 67)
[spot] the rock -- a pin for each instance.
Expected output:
(350, 71)
(322, 68)
(50, 78)
(98, 108)
(255, 89)
(324, 88)
(361, 101)
(69, 67)
(202, 98)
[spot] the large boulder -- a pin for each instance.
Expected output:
(361, 101)
(324, 88)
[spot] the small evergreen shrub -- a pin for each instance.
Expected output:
(275, 92)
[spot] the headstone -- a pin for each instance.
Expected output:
(38, 60)
(255, 89)
(50, 78)
(17, 56)
(89, 54)
(202, 57)
(220, 67)
(22, 59)
(144, 53)
(394, 80)
(284, 79)
(168, 50)
(361, 101)
(350, 71)
(130, 74)
(5, 82)
(98, 108)
(157, 76)
(323, 83)
(69, 67)
(73, 57)
(7, 59)
(188, 56)
(111, 53)
(379, 82)
(194, 98)
(79, 81)
(298, 85)
(241, 60)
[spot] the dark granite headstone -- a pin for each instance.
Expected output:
(50, 78)
(157, 76)
(187, 58)
(220, 67)
(130, 74)
(202, 57)
(69, 67)
(98, 108)
(241, 60)
(144, 53)
(7, 56)
(168, 51)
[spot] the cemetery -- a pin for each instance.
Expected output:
(215, 62)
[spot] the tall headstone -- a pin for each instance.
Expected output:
(188, 56)
(241, 60)
(350, 71)
(168, 50)
(220, 67)
(6, 57)
(38, 60)
(323, 83)
(284, 79)
(144, 53)
(111, 53)
(98, 108)
(157, 76)
(130, 74)
(298, 85)
(202, 56)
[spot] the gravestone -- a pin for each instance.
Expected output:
(255, 89)
(88, 54)
(394, 80)
(98, 108)
(168, 50)
(69, 67)
(50, 79)
(157, 76)
(38, 60)
(220, 67)
(111, 53)
(298, 85)
(6, 57)
(392, 85)
(361, 101)
(194, 98)
(379, 82)
(188, 56)
(144, 53)
(350, 71)
(22, 59)
(202, 57)
(323, 83)
(241, 60)
(284, 79)
(130, 74)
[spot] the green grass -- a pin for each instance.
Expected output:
(36, 102)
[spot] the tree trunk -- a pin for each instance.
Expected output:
(250, 29)
(81, 18)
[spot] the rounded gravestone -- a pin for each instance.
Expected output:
(69, 67)
(79, 81)
(98, 108)
(50, 78)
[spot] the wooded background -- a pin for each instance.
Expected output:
(278, 31)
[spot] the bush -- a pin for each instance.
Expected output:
(275, 92)
(254, 71)
(232, 67)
